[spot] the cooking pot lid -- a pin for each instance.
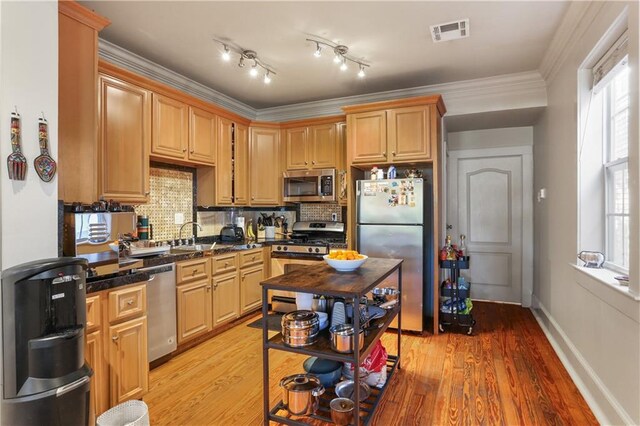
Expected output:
(300, 382)
(317, 365)
(302, 317)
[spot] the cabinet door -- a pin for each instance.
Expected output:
(342, 186)
(241, 166)
(194, 309)
(409, 133)
(295, 145)
(129, 367)
(264, 155)
(202, 136)
(323, 146)
(124, 139)
(226, 294)
(93, 354)
(250, 289)
(367, 137)
(224, 163)
(170, 128)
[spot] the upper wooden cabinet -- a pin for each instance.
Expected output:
(78, 29)
(241, 165)
(264, 151)
(312, 147)
(402, 131)
(202, 136)
(124, 139)
(224, 167)
(170, 128)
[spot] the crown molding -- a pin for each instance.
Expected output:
(503, 92)
(123, 58)
(510, 91)
(575, 22)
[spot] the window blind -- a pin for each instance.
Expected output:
(614, 58)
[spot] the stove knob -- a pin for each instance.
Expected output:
(310, 250)
(286, 248)
(317, 250)
(278, 248)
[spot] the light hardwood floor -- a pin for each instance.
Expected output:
(507, 373)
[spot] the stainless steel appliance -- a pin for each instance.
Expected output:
(394, 221)
(309, 241)
(45, 377)
(305, 186)
(232, 234)
(93, 236)
(162, 313)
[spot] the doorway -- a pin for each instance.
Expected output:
(490, 201)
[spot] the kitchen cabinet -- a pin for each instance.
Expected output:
(194, 304)
(341, 169)
(264, 152)
(394, 132)
(311, 147)
(250, 290)
(241, 165)
(77, 157)
(170, 128)
(232, 182)
(129, 368)
(194, 309)
(93, 354)
(225, 298)
(202, 136)
(124, 138)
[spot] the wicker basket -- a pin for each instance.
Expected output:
(130, 413)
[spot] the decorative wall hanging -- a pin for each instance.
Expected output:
(45, 165)
(16, 162)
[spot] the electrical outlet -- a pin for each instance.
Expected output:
(334, 217)
(179, 218)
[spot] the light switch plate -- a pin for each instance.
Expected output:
(179, 218)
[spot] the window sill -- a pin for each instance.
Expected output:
(602, 284)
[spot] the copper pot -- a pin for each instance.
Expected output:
(300, 394)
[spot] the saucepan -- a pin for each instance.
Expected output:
(300, 394)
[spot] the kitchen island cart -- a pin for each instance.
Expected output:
(456, 296)
(323, 280)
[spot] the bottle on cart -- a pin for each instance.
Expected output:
(462, 247)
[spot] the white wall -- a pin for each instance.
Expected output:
(595, 329)
(29, 70)
(491, 138)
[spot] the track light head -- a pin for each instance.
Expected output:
(318, 51)
(253, 72)
(241, 62)
(267, 79)
(343, 66)
(226, 55)
(361, 73)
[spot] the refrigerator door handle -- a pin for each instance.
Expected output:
(71, 386)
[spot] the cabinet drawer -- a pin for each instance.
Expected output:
(251, 257)
(127, 303)
(93, 313)
(193, 270)
(224, 263)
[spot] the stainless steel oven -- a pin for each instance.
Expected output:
(305, 186)
(310, 241)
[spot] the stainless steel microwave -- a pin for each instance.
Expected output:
(308, 186)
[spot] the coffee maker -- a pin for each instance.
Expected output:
(45, 377)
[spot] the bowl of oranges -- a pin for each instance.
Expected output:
(345, 260)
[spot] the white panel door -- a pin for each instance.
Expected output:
(490, 214)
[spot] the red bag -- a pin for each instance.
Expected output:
(373, 369)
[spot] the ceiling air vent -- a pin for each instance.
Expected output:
(450, 31)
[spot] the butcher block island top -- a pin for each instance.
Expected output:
(323, 279)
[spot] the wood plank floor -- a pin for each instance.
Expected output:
(506, 373)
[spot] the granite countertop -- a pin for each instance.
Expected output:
(113, 282)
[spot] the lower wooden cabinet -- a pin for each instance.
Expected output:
(128, 360)
(93, 354)
(225, 298)
(194, 309)
(250, 289)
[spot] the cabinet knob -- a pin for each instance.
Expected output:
(393, 153)
(184, 149)
(253, 258)
(253, 198)
(215, 286)
(146, 194)
(226, 264)
(305, 163)
(115, 338)
(191, 152)
(129, 302)
(208, 288)
(384, 152)
(313, 162)
(193, 272)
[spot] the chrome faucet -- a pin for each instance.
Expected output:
(185, 224)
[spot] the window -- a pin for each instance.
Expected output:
(616, 168)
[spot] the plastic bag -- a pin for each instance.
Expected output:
(373, 370)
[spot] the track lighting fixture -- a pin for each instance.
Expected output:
(248, 55)
(341, 56)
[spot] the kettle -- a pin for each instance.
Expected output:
(231, 233)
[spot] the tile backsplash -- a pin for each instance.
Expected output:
(213, 221)
(171, 193)
(320, 211)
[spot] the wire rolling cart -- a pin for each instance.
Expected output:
(456, 295)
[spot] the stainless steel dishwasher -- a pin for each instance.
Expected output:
(161, 310)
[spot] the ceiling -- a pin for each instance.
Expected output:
(505, 37)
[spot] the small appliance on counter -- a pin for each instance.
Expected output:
(306, 186)
(231, 234)
(95, 236)
(45, 377)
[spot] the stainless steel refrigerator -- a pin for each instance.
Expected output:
(394, 221)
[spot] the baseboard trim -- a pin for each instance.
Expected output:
(604, 405)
